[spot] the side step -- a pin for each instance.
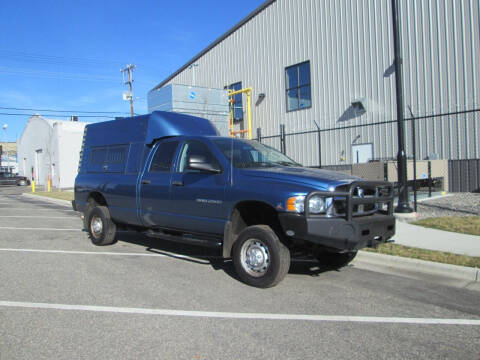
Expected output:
(185, 238)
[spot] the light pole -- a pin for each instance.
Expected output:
(403, 205)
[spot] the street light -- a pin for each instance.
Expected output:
(403, 205)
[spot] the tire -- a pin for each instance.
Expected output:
(336, 260)
(272, 260)
(90, 205)
(101, 228)
(21, 183)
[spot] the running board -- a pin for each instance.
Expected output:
(185, 239)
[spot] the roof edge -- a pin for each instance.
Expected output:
(250, 16)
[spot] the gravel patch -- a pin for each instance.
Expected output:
(456, 204)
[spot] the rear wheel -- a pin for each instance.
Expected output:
(100, 226)
(259, 257)
(336, 260)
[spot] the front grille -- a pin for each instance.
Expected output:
(359, 198)
(359, 193)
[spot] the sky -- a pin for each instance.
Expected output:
(67, 55)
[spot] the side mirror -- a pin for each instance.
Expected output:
(199, 162)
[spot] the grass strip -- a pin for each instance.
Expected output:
(460, 224)
(424, 254)
(62, 195)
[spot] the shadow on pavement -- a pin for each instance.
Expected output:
(212, 257)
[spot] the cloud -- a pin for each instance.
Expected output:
(10, 97)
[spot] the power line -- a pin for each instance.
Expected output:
(60, 75)
(65, 111)
(56, 115)
(60, 60)
(56, 60)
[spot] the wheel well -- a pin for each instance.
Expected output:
(98, 198)
(246, 214)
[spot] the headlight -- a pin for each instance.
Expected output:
(296, 204)
(316, 204)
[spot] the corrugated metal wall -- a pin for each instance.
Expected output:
(350, 48)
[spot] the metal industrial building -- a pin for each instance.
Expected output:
(50, 149)
(324, 70)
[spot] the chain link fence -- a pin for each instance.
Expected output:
(442, 151)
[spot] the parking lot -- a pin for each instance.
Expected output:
(62, 297)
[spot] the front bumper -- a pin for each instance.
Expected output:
(353, 229)
(338, 233)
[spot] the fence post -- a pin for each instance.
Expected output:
(414, 151)
(259, 134)
(282, 139)
(429, 178)
(319, 145)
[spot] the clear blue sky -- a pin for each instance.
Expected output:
(67, 55)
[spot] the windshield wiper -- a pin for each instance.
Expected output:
(286, 163)
(261, 164)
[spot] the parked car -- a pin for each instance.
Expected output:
(170, 176)
(7, 178)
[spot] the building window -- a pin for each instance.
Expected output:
(298, 89)
(237, 101)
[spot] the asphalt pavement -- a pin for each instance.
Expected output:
(62, 297)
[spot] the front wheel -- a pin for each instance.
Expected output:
(100, 226)
(259, 257)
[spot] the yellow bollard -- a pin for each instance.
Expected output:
(33, 186)
(49, 185)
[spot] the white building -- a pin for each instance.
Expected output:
(50, 149)
(328, 63)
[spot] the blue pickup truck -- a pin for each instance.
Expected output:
(170, 176)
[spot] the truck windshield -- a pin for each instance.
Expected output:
(252, 154)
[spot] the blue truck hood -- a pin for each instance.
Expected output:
(316, 178)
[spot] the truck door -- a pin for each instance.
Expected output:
(154, 192)
(198, 195)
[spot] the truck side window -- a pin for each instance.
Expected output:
(116, 154)
(98, 156)
(195, 148)
(162, 161)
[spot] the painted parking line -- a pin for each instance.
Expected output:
(34, 209)
(72, 252)
(249, 316)
(164, 254)
(27, 228)
(37, 217)
(107, 253)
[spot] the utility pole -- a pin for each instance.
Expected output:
(403, 204)
(129, 96)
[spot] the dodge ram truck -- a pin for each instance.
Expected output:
(171, 177)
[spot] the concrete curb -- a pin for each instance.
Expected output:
(416, 266)
(406, 217)
(56, 201)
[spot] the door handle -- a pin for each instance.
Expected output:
(146, 182)
(177, 183)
